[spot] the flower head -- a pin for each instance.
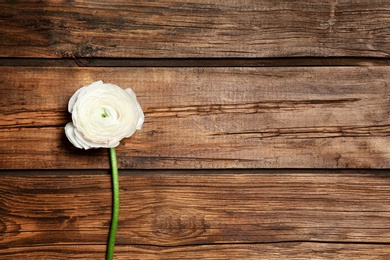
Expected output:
(102, 115)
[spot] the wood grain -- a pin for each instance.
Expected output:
(223, 84)
(319, 117)
(195, 28)
(189, 214)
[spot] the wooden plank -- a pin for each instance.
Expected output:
(173, 214)
(295, 250)
(195, 28)
(312, 117)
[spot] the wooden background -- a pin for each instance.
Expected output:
(266, 130)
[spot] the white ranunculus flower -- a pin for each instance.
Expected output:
(102, 115)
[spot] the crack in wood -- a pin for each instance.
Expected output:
(57, 118)
(34, 119)
(246, 108)
(313, 132)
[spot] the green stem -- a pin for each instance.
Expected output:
(115, 206)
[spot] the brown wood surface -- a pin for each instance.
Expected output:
(195, 28)
(298, 87)
(317, 117)
(225, 214)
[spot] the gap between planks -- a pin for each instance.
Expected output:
(195, 62)
(251, 251)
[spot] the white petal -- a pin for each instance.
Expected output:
(131, 92)
(140, 113)
(84, 142)
(96, 83)
(69, 132)
(112, 144)
(75, 96)
(73, 99)
(141, 117)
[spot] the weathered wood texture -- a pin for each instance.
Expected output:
(320, 117)
(187, 215)
(196, 28)
(280, 113)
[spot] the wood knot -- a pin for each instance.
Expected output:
(179, 227)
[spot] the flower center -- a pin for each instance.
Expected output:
(104, 113)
